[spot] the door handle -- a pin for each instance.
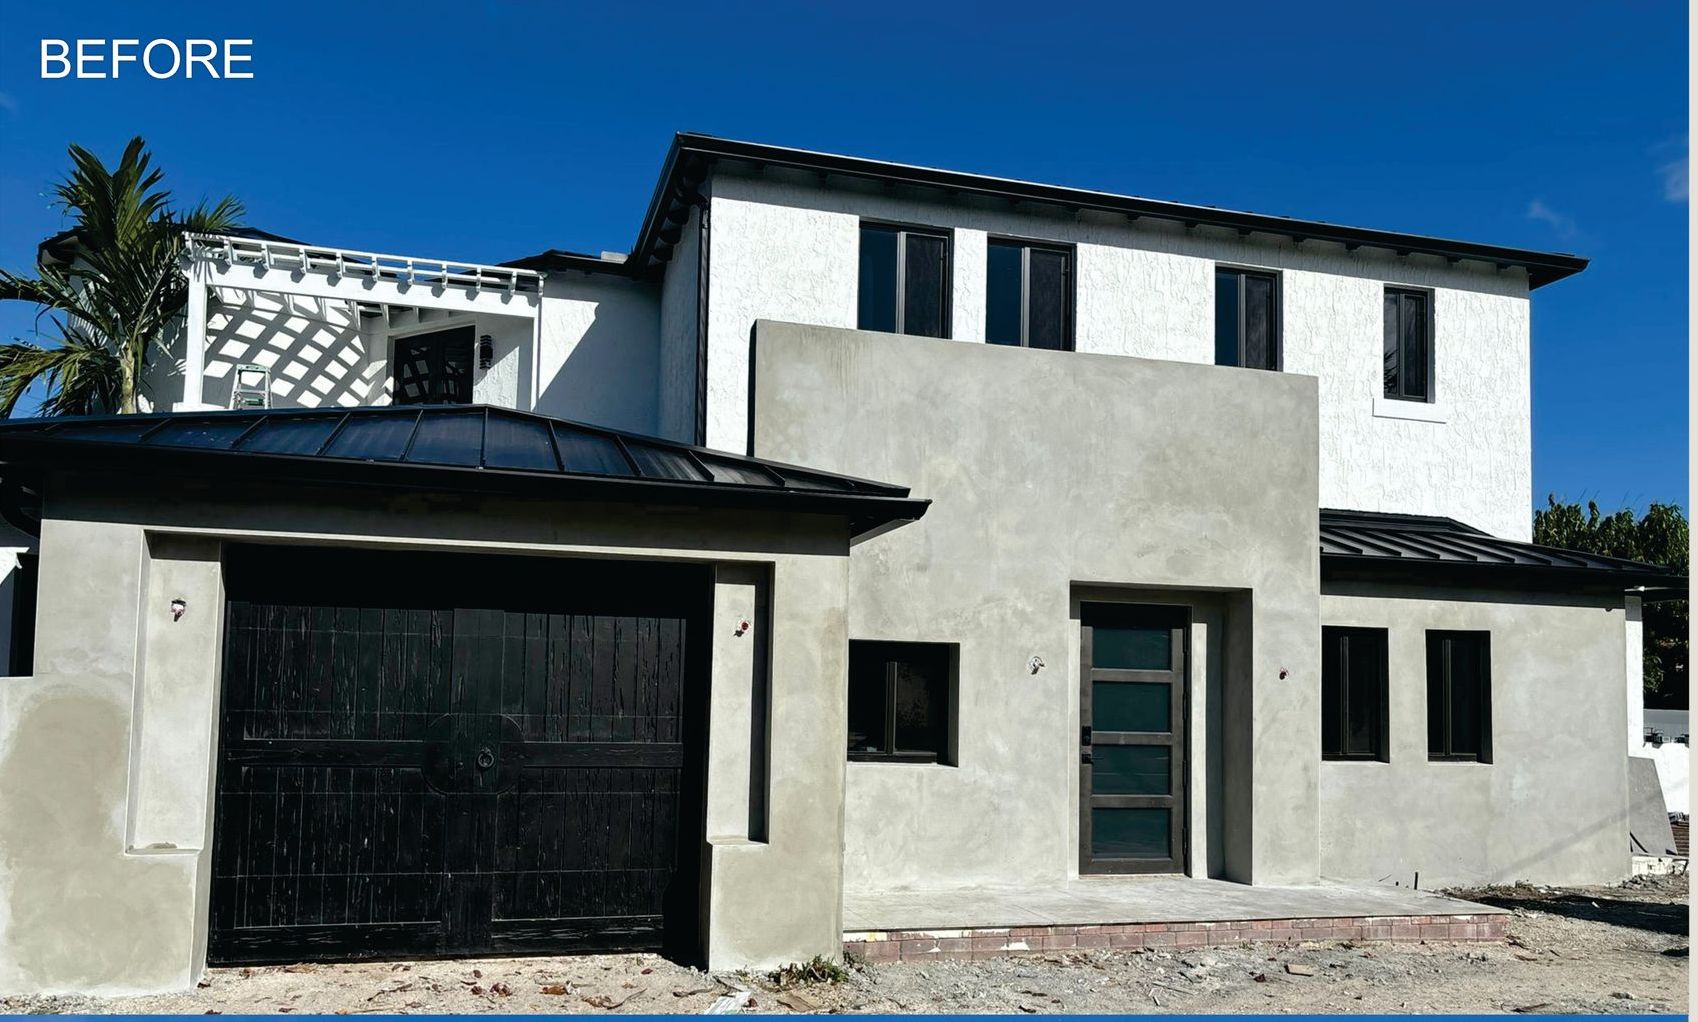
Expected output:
(486, 758)
(1085, 736)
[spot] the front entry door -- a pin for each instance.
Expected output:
(1132, 738)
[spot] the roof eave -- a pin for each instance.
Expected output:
(1538, 578)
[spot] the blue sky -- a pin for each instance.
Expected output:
(485, 131)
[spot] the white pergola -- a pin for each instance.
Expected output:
(345, 275)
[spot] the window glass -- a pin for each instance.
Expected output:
(1353, 693)
(1408, 345)
(1132, 770)
(899, 699)
(1131, 833)
(1131, 706)
(1226, 318)
(1258, 321)
(1131, 648)
(1047, 300)
(924, 287)
(1393, 346)
(1002, 293)
(876, 303)
(1459, 705)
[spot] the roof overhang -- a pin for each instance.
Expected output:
(473, 449)
(692, 155)
(1418, 550)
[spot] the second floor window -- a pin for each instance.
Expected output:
(904, 284)
(1029, 295)
(1246, 319)
(1409, 345)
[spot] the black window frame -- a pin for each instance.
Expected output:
(1401, 391)
(892, 652)
(1069, 305)
(1440, 686)
(946, 271)
(1378, 645)
(1276, 338)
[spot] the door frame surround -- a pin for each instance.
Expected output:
(1180, 711)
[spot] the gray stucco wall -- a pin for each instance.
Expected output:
(1551, 807)
(1048, 472)
(106, 763)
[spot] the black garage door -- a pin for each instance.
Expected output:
(440, 754)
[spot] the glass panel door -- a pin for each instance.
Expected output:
(1132, 738)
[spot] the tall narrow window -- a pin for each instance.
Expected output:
(899, 701)
(1353, 693)
(1246, 319)
(1409, 345)
(1029, 295)
(1459, 695)
(904, 282)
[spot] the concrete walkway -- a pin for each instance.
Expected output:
(1137, 899)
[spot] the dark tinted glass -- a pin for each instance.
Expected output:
(217, 434)
(589, 453)
(1047, 300)
(1002, 293)
(518, 443)
(1393, 346)
(292, 434)
(1130, 833)
(373, 438)
(1415, 353)
(868, 693)
(924, 287)
(434, 368)
(1258, 321)
(1465, 691)
(876, 303)
(1353, 693)
(448, 438)
(1141, 649)
(1458, 695)
(1226, 318)
(922, 694)
(1131, 706)
(1131, 770)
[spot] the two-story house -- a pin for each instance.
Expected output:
(871, 549)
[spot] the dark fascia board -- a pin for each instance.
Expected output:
(691, 153)
(555, 259)
(1656, 585)
(35, 456)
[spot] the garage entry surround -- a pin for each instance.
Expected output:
(108, 753)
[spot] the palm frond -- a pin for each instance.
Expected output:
(82, 378)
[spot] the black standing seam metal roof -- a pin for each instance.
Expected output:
(1365, 545)
(690, 156)
(472, 447)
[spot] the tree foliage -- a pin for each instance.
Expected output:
(1661, 537)
(104, 313)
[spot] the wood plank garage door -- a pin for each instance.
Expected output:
(426, 754)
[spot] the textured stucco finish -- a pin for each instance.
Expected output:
(600, 353)
(1551, 807)
(786, 249)
(1051, 471)
(106, 753)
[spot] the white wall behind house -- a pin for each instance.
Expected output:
(788, 250)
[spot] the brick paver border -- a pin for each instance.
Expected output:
(992, 942)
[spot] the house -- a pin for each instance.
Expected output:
(866, 536)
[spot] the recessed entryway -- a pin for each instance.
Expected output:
(1132, 738)
(432, 754)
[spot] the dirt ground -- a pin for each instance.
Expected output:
(1593, 949)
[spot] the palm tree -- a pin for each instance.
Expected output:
(108, 306)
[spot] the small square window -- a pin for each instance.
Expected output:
(1459, 696)
(1353, 693)
(901, 701)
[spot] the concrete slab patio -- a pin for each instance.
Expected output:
(1149, 911)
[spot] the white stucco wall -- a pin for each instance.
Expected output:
(788, 250)
(600, 360)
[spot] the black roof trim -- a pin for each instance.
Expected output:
(61, 248)
(691, 154)
(474, 448)
(1365, 546)
(553, 259)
